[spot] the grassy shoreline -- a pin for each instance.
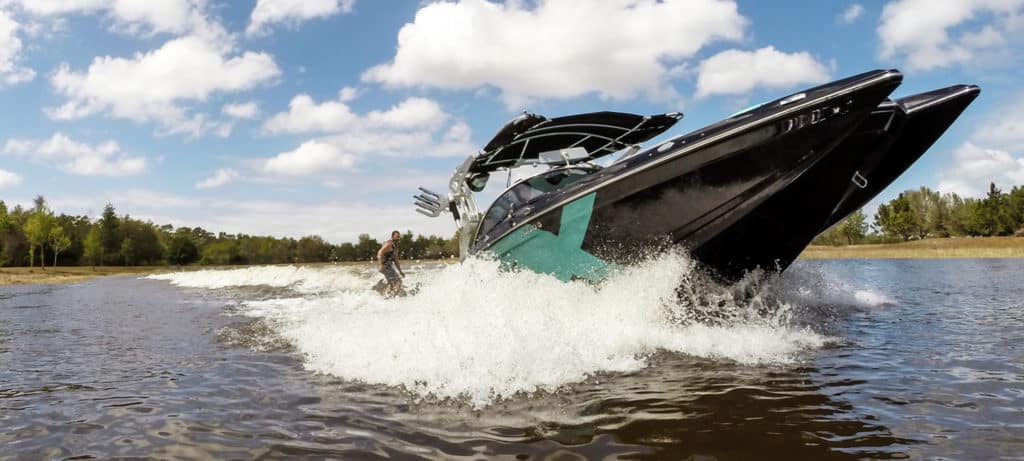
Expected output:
(949, 248)
(70, 274)
(937, 248)
(75, 274)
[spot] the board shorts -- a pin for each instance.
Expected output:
(391, 274)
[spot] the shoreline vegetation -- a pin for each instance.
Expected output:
(919, 223)
(39, 236)
(932, 248)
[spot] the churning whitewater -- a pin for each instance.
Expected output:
(478, 333)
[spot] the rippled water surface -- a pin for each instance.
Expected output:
(834, 360)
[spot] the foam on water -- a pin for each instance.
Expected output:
(872, 298)
(480, 333)
(307, 280)
(807, 286)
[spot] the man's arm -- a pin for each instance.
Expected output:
(380, 255)
(399, 266)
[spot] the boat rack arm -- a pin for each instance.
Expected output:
(459, 202)
(430, 203)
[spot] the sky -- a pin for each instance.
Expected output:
(301, 117)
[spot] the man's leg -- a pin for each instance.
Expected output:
(394, 281)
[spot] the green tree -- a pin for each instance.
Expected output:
(921, 203)
(59, 241)
(181, 250)
(312, 249)
(417, 247)
(932, 212)
(897, 219)
(200, 237)
(37, 230)
(221, 253)
(128, 250)
(1015, 204)
(992, 215)
(5, 228)
(939, 217)
(12, 237)
(346, 252)
(110, 232)
(93, 246)
(366, 248)
(851, 230)
(854, 227)
(434, 247)
(146, 240)
(77, 229)
(39, 205)
(408, 246)
(961, 215)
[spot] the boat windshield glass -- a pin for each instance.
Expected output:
(527, 191)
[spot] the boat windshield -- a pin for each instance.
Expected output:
(527, 191)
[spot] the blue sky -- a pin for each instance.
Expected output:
(296, 117)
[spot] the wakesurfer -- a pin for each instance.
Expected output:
(387, 264)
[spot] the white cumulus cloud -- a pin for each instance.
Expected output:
(348, 94)
(994, 153)
(310, 157)
(269, 12)
(737, 72)
(929, 34)
(104, 159)
(132, 16)
(155, 86)
(306, 116)
(852, 13)
(1005, 131)
(411, 113)
(11, 73)
(246, 110)
(975, 167)
(555, 48)
(8, 178)
(219, 178)
(415, 127)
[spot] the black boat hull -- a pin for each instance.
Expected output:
(892, 138)
(928, 115)
(771, 235)
(749, 192)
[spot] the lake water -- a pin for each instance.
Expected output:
(833, 360)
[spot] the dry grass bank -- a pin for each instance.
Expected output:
(74, 274)
(69, 274)
(979, 247)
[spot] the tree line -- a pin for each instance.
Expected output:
(37, 236)
(924, 213)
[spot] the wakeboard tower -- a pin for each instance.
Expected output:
(751, 191)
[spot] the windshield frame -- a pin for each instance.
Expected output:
(489, 222)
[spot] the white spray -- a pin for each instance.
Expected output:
(480, 333)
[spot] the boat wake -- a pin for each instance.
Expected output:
(477, 333)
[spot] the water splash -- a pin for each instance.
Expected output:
(802, 285)
(480, 333)
(306, 280)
